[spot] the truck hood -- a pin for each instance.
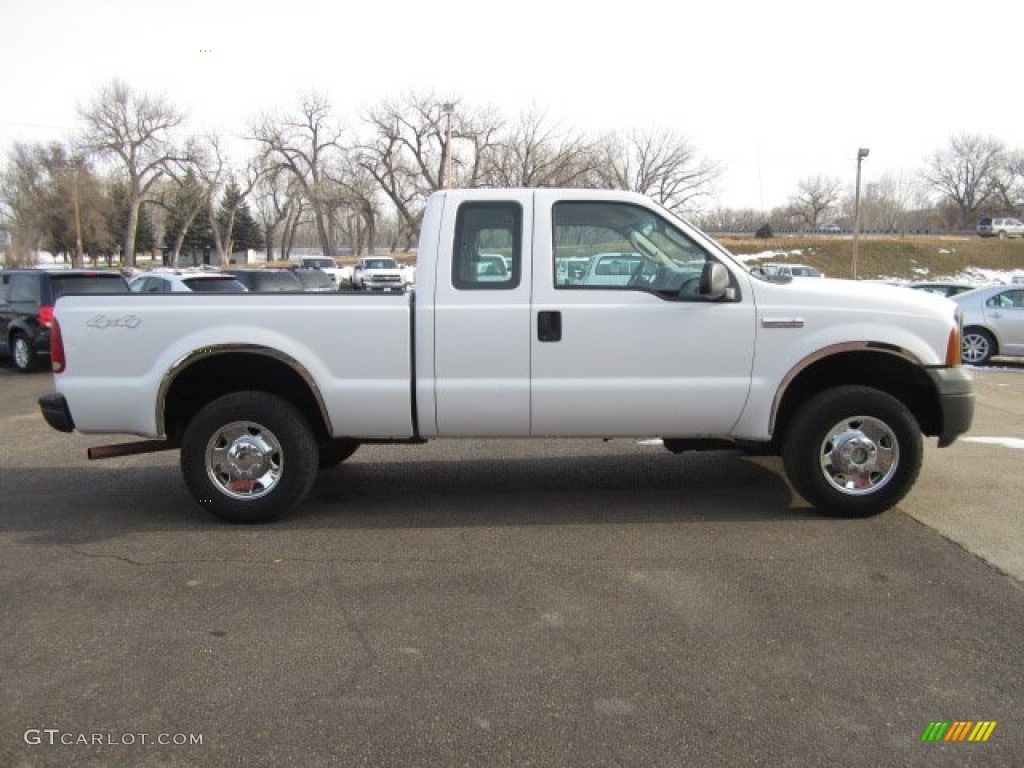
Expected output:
(829, 311)
(850, 295)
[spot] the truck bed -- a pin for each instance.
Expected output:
(357, 348)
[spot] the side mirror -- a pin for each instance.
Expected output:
(714, 281)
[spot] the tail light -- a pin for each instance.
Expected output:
(57, 360)
(46, 316)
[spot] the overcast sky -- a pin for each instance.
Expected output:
(774, 91)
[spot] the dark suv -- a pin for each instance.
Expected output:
(27, 297)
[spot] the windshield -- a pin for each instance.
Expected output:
(319, 263)
(381, 264)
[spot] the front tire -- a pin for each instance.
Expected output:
(853, 451)
(249, 457)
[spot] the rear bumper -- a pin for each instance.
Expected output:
(955, 389)
(55, 410)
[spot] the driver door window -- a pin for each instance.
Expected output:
(617, 246)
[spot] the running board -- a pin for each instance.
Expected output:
(130, 449)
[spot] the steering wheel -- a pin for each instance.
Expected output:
(690, 287)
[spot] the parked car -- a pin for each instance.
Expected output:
(161, 281)
(492, 268)
(940, 288)
(315, 280)
(785, 270)
(378, 273)
(27, 297)
(267, 280)
(611, 269)
(993, 322)
(830, 228)
(1000, 227)
(326, 265)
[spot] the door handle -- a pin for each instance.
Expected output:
(549, 325)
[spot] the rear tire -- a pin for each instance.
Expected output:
(853, 451)
(249, 457)
(977, 347)
(23, 356)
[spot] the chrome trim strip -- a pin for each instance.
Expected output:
(821, 354)
(782, 322)
(250, 349)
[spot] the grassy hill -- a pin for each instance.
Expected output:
(913, 257)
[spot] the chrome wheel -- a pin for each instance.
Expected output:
(859, 455)
(244, 460)
(22, 354)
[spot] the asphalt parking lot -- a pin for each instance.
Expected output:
(509, 603)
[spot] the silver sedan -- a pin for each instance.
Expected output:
(993, 322)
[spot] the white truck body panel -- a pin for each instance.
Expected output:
(364, 382)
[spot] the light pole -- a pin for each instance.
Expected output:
(861, 154)
(448, 107)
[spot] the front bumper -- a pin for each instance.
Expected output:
(955, 390)
(55, 411)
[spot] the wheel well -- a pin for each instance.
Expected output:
(214, 375)
(890, 373)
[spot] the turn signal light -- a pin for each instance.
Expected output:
(953, 347)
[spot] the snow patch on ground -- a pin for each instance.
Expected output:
(1006, 442)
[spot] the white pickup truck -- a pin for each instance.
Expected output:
(257, 390)
(378, 273)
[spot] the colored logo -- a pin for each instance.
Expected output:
(958, 730)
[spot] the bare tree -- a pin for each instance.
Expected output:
(136, 129)
(406, 151)
(24, 192)
(359, 204)
(538, 153)
(965, 172)
(302, 145)
(887, 202)
(1008, 182)
(54, 200)
(815, 196)
(410, 146)
(661, 164)
(274, 205)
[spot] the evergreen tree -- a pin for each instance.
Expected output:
(199, 241)
(246, 233)
(187, 227)
(118, 216)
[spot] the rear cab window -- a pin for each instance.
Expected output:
(488, 246)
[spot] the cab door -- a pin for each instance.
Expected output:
(481, 315)
(632, 352)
